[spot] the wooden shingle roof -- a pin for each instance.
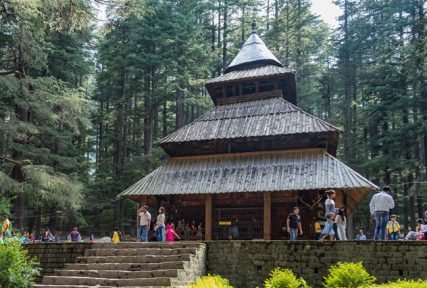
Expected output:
(295, 170)
(250, 73)
(267, 117)
(253, 52)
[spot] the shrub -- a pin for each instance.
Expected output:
(402, 284)
(349, 275)
(17, 270)
(211, 281)
(284, 278)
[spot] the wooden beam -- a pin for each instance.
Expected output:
(267, 216)
(208, 217)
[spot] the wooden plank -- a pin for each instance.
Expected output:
(208, 217)
(267, 216)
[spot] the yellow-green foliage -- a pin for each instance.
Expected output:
(211, 281)
(284, 278)
(402, 284)
(350, 275)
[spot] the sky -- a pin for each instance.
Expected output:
(327, 11)
(324, 8)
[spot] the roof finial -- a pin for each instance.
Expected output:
(254, 26)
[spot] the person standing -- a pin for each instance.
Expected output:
(380, 206)
(293, 224)
(341, 222)
(393, 228)
(5, 228)
(144, 223)
(160, 224)
(317, 228)
(171, 234)
(330, 208)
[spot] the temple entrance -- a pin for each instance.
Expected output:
(237, 223)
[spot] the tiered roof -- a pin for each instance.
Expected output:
(244, 143)
(300, 170)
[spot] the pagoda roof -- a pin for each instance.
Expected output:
(250, 73)
(253, 52)
(291, 170)
(265, 117)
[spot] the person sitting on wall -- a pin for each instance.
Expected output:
(75, 235)
(360, 235)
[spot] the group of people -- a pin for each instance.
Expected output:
(163, 232)
(159, 230)
(334, 227)
(386, 226)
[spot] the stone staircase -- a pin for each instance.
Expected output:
(132, 265)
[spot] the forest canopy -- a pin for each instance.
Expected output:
(83, 100)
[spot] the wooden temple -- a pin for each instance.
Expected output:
(252, 158)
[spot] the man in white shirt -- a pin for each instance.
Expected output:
(144, 218)
(380, 206)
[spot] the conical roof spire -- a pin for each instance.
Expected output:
(253, 52)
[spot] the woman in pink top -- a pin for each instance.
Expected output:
(170, 234)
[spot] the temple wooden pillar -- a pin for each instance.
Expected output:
(208, 217)
(267, 216)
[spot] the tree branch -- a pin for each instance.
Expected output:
(10, 160)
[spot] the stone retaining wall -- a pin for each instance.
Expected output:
(54, 255)
(247, 263)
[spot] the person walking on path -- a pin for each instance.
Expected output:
(160, 224)
(341, 222)
(380, 206)
(393, 228)
(330, 208)
(293, 224)
(144, 218)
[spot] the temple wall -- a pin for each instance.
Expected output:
(247, 263)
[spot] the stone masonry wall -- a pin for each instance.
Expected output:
(247, 263)
(54, 255)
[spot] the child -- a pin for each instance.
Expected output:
(170, 233)
(116, 236)
(393, 228)
(317, 228)
(360, 235)
(420, 226)
(329, 227)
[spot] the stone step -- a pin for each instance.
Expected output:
(124, 245)
(139, 251)
(126, 266)
(141, 282)
(133, 259)
(118, 274)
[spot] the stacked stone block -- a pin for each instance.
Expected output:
(248, 263)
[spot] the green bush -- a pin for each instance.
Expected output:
(284, 278)
(349, 275)
(211, 281)
(17, 270)
(402, 284)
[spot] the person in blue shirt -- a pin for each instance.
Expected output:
(360, 235)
